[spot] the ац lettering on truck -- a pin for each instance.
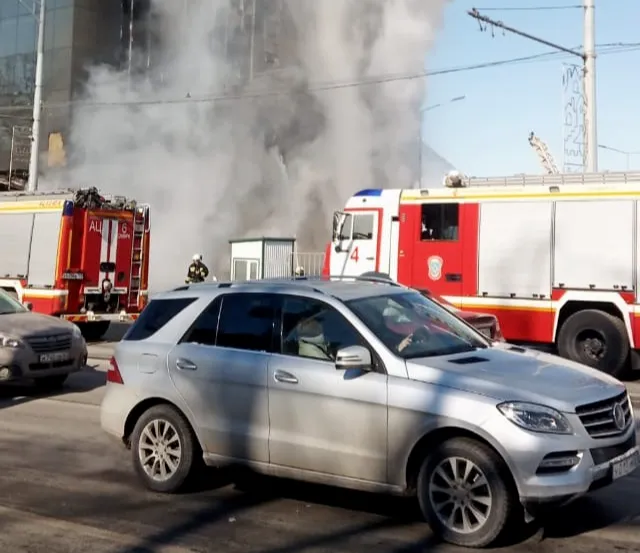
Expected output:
(75, 255)
(556, 257)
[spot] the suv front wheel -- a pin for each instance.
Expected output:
(163, 449)
(464, 493)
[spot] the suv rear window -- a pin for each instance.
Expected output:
(153, 317)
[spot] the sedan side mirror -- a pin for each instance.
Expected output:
(353, 357)
(29, 306)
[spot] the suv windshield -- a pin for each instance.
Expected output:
(413, 326)
(9, 306)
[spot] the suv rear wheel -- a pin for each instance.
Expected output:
(163, 449)
(464, 493)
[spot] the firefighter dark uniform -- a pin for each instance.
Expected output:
(198, 271)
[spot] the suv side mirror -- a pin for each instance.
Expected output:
(353, 357)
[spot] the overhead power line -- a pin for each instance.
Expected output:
(532, 8)
(611, 48)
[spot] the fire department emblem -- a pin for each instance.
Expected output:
(434, 264)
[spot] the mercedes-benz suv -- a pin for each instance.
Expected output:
(364, 385)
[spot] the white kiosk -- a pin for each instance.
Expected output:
(258, 258)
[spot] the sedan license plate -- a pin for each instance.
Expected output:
(626, 464)
(54, 357)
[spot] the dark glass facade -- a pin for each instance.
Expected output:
(78, 33)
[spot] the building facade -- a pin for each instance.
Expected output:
(259, 35)
(78, 33)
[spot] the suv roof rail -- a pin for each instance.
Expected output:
(381, 280)
(302, 280)
(234, 283)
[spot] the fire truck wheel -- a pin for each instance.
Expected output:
(93, 332)
(596, 339)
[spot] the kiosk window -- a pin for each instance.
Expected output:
(439, 222)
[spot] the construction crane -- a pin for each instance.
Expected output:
(546, 159)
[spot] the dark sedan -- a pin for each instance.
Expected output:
(486, 323)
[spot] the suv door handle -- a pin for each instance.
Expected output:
(282, 376)
(185, 364)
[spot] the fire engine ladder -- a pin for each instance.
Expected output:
(541, 148)
(140, 228)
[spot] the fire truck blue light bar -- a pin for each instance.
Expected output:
(369, 192)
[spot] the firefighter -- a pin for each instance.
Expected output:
(299, 273)
(197, 271)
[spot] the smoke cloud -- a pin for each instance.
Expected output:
(255, 163)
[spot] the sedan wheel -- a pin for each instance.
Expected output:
(466, 493)
(164, 449)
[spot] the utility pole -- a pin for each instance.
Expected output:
(34, 160)
(588, 60)
(590, 120)
(252, 41)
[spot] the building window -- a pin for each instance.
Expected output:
(439, 222)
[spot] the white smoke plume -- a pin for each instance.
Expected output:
(262, 164)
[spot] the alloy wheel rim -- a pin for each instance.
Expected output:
(460, 495)
(160, 450)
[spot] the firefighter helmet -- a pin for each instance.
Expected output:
(197, 257)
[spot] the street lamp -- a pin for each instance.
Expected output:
(424, 110)
(34, 157)
(623, 152)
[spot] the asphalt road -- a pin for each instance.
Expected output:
(66, 487)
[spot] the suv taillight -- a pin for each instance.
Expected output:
(113, 374)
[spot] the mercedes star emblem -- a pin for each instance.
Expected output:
(618, 416)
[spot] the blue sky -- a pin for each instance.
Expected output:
(486, 134)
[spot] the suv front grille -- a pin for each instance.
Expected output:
(606, 418)
(50, 342)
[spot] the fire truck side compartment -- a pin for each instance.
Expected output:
(515, 236)
(44, 249)
(15, 235)
(594, 244)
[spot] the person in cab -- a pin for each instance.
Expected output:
(198, 271)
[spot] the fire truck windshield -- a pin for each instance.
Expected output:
(413, 326)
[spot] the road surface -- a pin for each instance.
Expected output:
(66, 487)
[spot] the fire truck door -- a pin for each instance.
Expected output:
(356, 248)
(437, 253)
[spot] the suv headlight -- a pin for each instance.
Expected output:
(9, 342)
(536, 418)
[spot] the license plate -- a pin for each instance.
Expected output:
(54, 357)
(626, 464)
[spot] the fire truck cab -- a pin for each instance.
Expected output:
(75, 255)
(555, 257)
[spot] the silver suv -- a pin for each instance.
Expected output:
(364, 385)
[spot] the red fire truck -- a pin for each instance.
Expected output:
(76, 255)
(554, 257)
